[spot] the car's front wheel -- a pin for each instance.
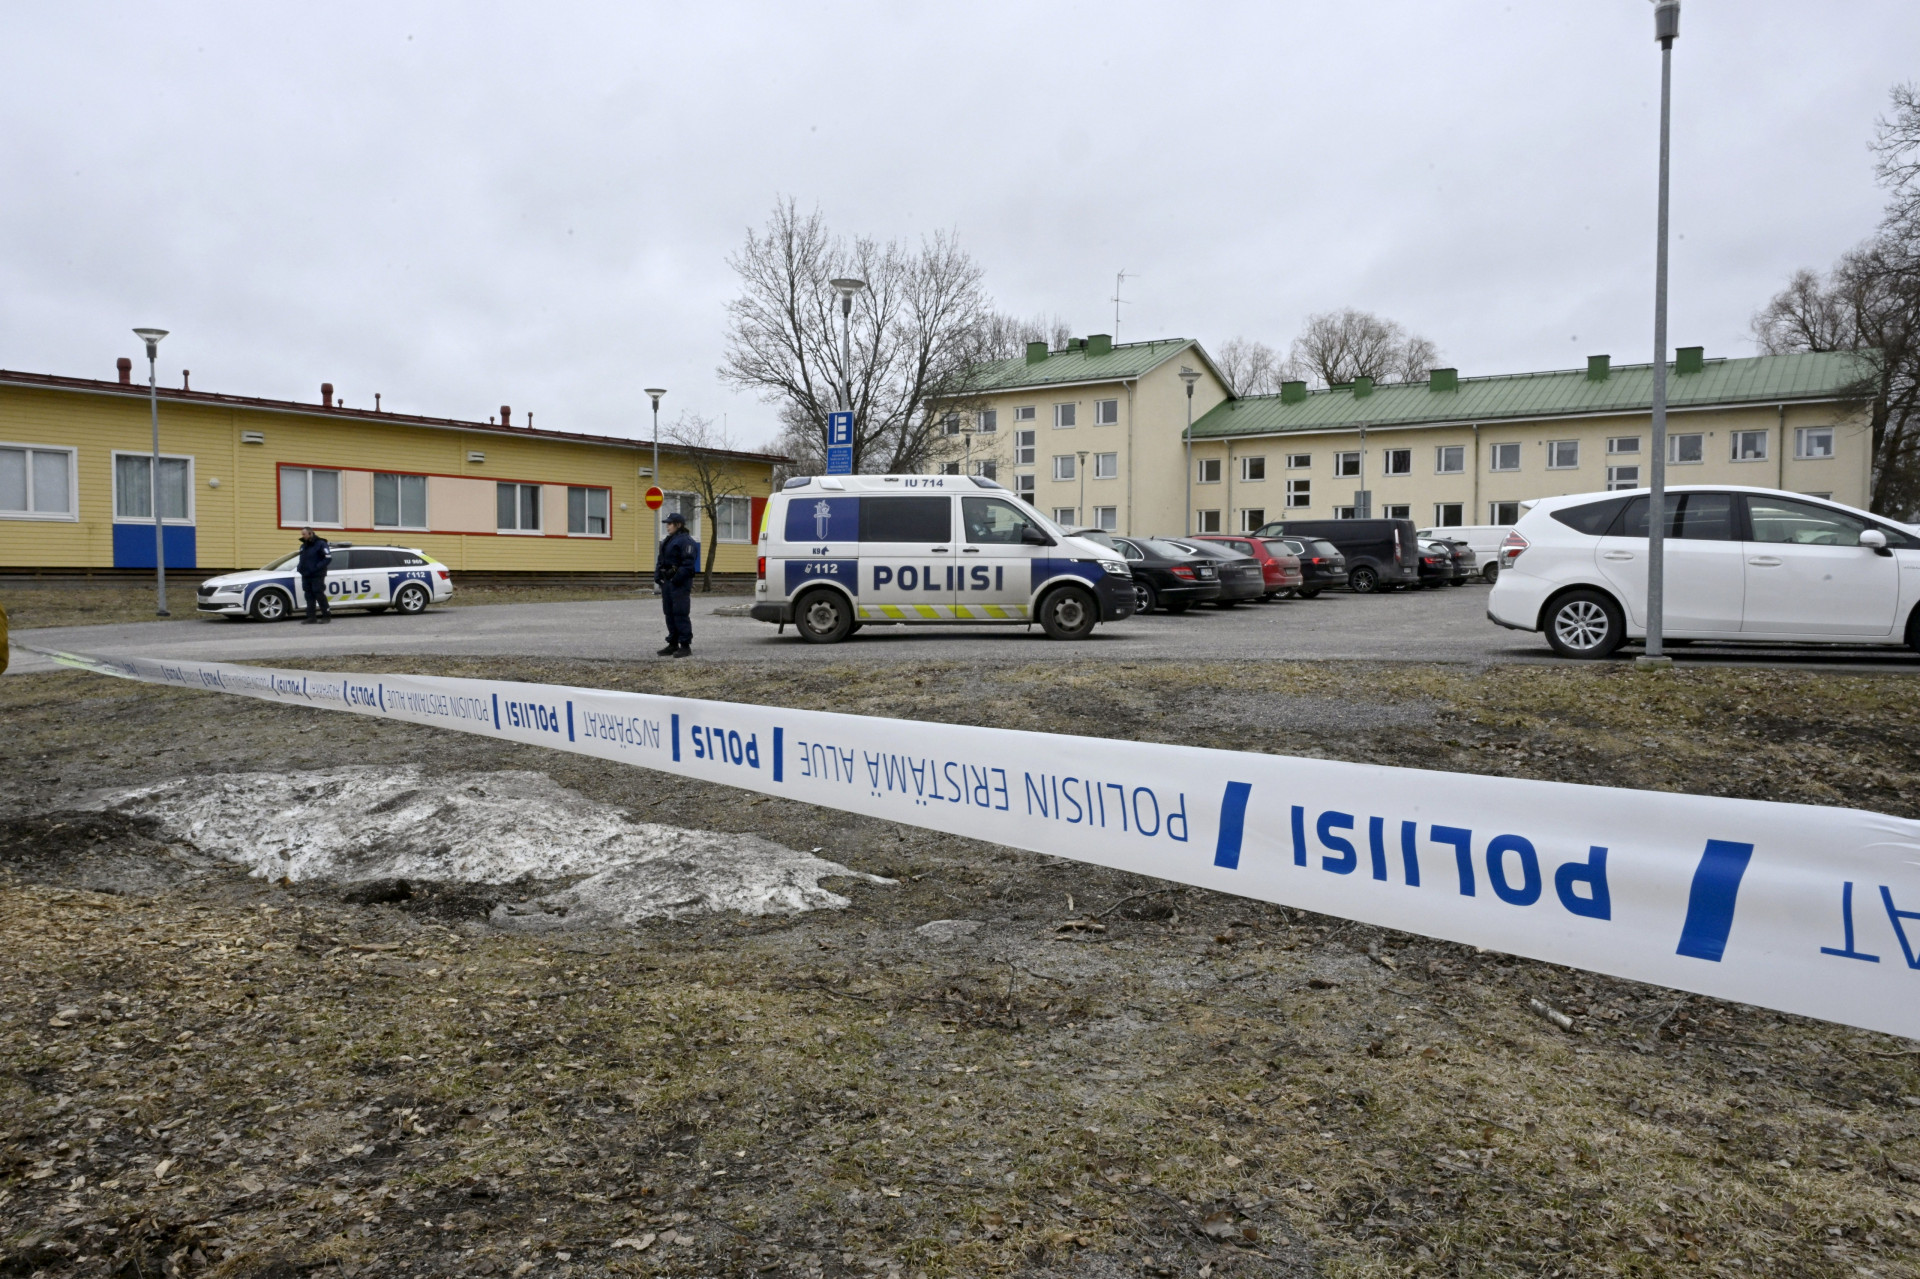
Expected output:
(1584, 624)
(270, 606)
(1145, 600)
(1068, 614)
(1363, 581)
(824, 617)
(412, 599)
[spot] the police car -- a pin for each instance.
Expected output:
(838, 552)
(374, 578)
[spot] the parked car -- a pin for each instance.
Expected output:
(371, 578)
(1485, 539)
(1241, 577)
(1436, 564)
(1279, 565)
(1741, 564)
(1460, 558)
(1166, 576)
(1381, 555)
(1321, 564)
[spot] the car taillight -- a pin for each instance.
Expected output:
(1181, 571)
(762, 572)
(1318, 559)
(1428, 559)
(444, 575)
(1511, 548)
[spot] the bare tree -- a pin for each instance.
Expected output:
(1896, 148)
(1252, 368)
(713, 475)
(921, 330)
(1338, 346)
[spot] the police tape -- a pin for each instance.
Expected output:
(1794, 907)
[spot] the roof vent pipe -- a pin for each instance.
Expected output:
(326, 394)
(186, 379)
(506, 415)
(126, 370)
(1599, 367)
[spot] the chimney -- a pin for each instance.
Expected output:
(1362, 386)
(126, 370)
(1599, 367)
(1293, 392)
(506, 415)
(326, 394)
(1100, 344)
(186, 379)
(1689, 359)
(1443, 379)
(1036, 352)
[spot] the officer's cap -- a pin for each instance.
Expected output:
(676, 518)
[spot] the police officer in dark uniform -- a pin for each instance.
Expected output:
(315, 555)
(673, 573)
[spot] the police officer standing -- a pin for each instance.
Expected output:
(673, 573)
(315, 555)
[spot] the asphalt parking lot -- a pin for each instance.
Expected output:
(1426, 626)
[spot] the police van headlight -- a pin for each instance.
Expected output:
(1116, 567)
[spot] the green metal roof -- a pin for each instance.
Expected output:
(1125, 360)
(1824, 375)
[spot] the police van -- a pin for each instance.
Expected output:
(374, 578)
(839, 552)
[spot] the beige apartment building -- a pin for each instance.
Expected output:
(1443, 451)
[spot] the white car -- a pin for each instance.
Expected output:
(1485, 539)
(1742, 564)
(374, 578)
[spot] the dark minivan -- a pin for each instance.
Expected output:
(1381, 554)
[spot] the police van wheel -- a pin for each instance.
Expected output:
(1068, 614)
(270, 606)
(823, 618)
(411, 599)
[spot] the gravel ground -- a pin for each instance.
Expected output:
(998, 1064)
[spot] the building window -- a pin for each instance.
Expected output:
(732, 518)
(37, 483)
(399, 501)
(1063, 415)
(950, 424)
(1206, 521)
(1299, 493)
(1299, 461)
(1450, 459)
(306, 496)
(518, 506)
(1106, 412)
(949, 468)
(587, 513)
(1346, 512)
(1399, 512)
(988, 470)
(1024, 413)
(1449, 514)
(1686, 450)
(1563, 455)
(688, 504)
(1503, 512)
(1106, 518)
(1623, 444)
(1750, 446)
(1346, 464)
(1063, 466)
(1209, 470)
(1812, 442)
(1252, 517)
(1023, 448)
(1505, 457)
(1023, 485)
(1399, 461)
(1106, 466)
(989, 421)
(1064, 516)
(1623, 477)
(1253, 469)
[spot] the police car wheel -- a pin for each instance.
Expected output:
(1068, 614)
(411, 599)
(269, 606)
(823, 618)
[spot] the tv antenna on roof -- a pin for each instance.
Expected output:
(1118, 280)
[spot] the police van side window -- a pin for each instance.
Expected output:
(992, 522)
(906, 519)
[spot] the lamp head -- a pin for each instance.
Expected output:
(1666, 21)
(656, 392)
(847, 286)
(152, 338)
(1189, 376)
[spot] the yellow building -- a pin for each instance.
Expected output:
(1095, 434)
(239, 476)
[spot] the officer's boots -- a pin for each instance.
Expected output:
(671, 650)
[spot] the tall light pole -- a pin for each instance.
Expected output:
(846, 287)
(1666, 26)
(152, 338)
(654, 393)
(1080, 511)
(1189, 376)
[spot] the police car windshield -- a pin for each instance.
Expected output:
(285, 561)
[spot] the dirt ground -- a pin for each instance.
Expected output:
(1084, 1074)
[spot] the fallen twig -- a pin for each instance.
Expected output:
(1134, 898)
(1547, 1012)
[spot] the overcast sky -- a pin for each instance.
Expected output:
(465, 205)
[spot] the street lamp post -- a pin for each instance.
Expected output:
(1666, 26)
(152, 338)
(1080, 511)
(846, 287)
(1189, 376)
(654, 393)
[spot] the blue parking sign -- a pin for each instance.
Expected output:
(840, 444)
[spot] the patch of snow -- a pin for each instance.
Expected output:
(370, 822)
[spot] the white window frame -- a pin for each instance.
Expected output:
(950, 423)
(1299, 494)
(427, 518)
(1341, 462)
(1299, 461)
(1024, 485)
(1440, 510)
(950, 468)
(987, 468)
(1026, 446)
(1207, 521)
(1398, 511)
(1201, 467)
(1555, 455)
(188, 522)
(517, 531)
(1673, 448)
(1396, 461)
(1440, 459)
(1063, 464)
(1106, 466)
(1248, 465)
(1024, 413)
(1493, 513)
(279, 472)
(1803, 437)
(744, 507)
(688, 504)
(1106, 412)
(1252, 517)
(606, 515)
(1066, 516)
(1734, 439)
(1507, 449)
(1346, 512)
(1617, 482)
(1066, 416)
(1619, 444)
(72, 513)
(989, 422)
(1107, 518)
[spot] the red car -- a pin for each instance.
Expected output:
(1282, 569)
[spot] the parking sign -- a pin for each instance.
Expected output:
(840, 444)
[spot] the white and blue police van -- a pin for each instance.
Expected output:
(373, 578)
(839, 552)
